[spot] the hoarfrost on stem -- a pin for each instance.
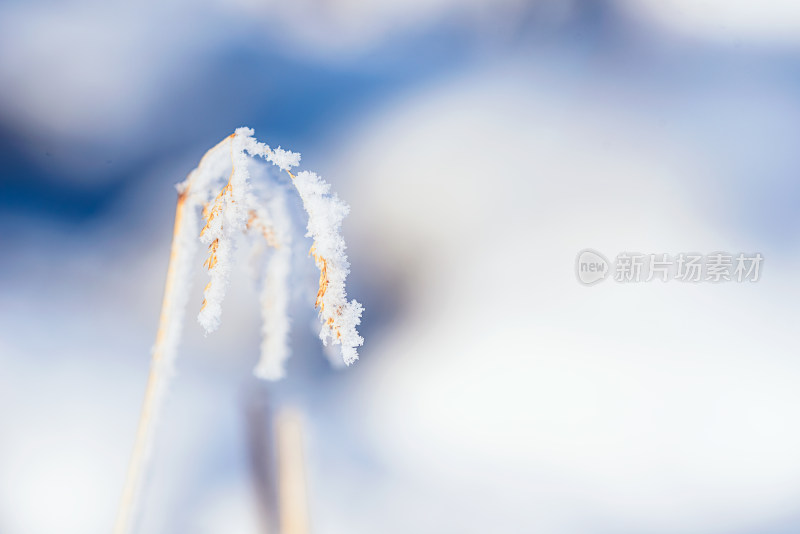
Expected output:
(236, 206)
(325, 214)
(232, 206)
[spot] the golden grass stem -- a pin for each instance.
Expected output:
(155, 382)
(293, 508)
(292, 493)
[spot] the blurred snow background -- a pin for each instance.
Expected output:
(481, 145)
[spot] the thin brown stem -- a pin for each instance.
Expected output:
(155, 383)
(292, 493)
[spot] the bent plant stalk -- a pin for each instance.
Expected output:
(156, 382)
(235, 209)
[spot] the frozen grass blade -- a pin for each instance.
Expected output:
(292, 492)
(164, 351)
(233, 208)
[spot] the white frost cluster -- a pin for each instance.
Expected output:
(284, 159)
(276, 270)
(325, 214)
(232, 206)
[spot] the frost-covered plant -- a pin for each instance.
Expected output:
(221, 194)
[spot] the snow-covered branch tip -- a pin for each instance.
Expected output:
(233, 205)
